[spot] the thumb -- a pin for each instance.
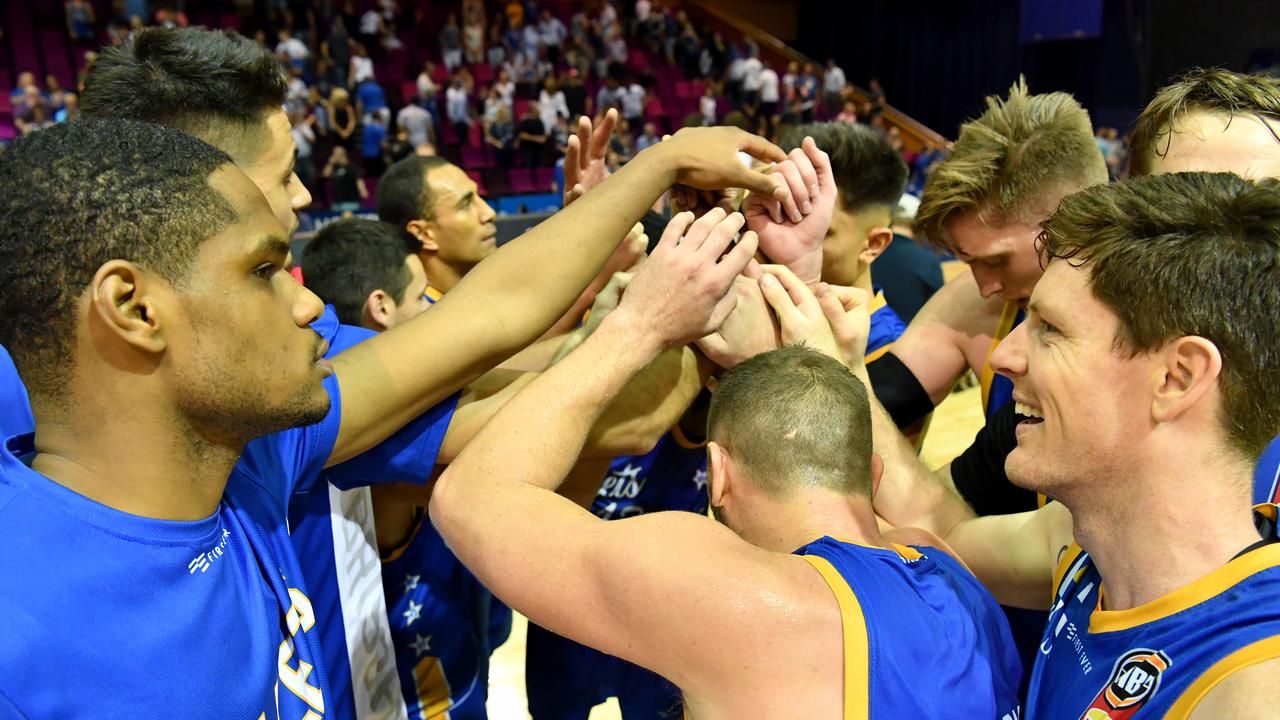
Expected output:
(779, 299)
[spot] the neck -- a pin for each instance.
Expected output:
(440, 274)
(1159, 530)
(785, 525)
(863, 280)
(146, 461)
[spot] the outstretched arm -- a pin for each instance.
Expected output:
(510, 299)
(607, 584)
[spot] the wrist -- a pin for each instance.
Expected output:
(635, 336)
(660, 159)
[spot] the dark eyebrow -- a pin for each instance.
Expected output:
(467, 198)
(271, 245)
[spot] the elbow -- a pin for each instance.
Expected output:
(442, 505)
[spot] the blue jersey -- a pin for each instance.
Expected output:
(15, 408)
(439, 615)
(886, 327)
(997, 390)
(1156, 660)
(922, 638)
(112, 615)
(331, 524)
(1266, 476)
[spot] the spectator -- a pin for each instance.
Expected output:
(361, 65)
(633, 99)
(371, 100)
(707, 104)
(417, 124)
(28, 107)
(769, 94)
(53, 94)
(80, 19)
(609, 96)
(342, 117)
(751, 69)
(577, 61)
(38, 119)
(492, 102)
(553, 34)
(19, 93)
(617, 46)
(348, 187)
(500, 134)
(560, 135)
(371, 145)
(515, 14)
(620, 143)
(737, 72)
(370, 27)
(473, 36)
(425, 150)
(457, 106)
(451, 43)
(505, 86)
(336, 49)
(530, 42)
(575, 95)
(807, 94)
(497, 52)
(648, 137)
(292, 49)
(833, 83)
(552, 104)
(70, 109)
(304, 137)
(531, 137)
(849, 113)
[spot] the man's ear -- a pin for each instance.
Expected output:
(1189, 368)
(878, 240)
(424, 231)
(378, 309)
(718, 462)
(123, 301)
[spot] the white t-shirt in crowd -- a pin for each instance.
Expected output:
(751, 69)
(768, 85)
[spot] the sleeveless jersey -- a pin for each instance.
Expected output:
(15, 407)
(886, 327)
(1266, 476)
(922, 638)
(997, 390)
(1159, 659)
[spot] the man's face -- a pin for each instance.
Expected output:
(845, 241)
(272, 171)
(1090, 401)
(1212, 142)
(413, 301)
(238, 343)
(1003, 258)
(463, 227)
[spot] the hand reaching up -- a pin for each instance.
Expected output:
(791, 230)
(748, 331)
(584, 165)
(800, 315)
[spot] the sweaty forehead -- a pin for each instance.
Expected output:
(1214, 142)
(449, 184)
(253, 213)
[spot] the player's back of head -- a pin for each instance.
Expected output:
(350, 259)
(404, 195)
(80, 194)
(868, 171)
(214, 84)
(794, 418)
(1188, 254)
(1014, 162)
(1213, 90)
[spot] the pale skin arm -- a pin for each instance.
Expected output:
(1246, 694)
(558, 564)
(500, 307)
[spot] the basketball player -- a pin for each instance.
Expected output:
(857, 176)
(754, 623)
(362, 268)
(1150, 398)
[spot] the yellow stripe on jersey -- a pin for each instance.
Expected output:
(1211, 585)
(1265, 649)
(433, 689)
(1004, 326)
(857, 654)
(433, 294)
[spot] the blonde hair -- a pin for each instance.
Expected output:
(1009, 160)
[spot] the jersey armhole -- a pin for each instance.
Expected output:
(856, 644)
(1265, 649)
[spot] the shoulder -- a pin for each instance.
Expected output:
(1247, 693)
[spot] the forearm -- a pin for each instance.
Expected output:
(650, 404)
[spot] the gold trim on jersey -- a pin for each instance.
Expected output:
(1068, 558)
(400, 550)
(1004, 326)
(434, 294)
(1262, 650)
(857, 652)
(1198, 591)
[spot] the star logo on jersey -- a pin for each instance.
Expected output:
(421, 645)
(700, 479)
(412, 614)
(1133, 682)
(411, 582)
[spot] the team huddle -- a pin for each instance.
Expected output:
(226, 494)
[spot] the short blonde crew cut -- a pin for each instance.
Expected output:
(1012, 163)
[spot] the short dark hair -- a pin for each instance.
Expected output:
(793, 417)
(404, 195)
(349, 259)
(869, 172)
(1183, 254)
(79, 194)
(214, 84)
(1211, 90)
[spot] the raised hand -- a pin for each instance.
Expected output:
(848, 311)
(800, 315)
(607, 300)
(748, 331)
(682, 291)
(706, 158)
(791, 230)
(584, 165)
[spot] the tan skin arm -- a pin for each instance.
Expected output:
(499, 308)
(1247, 694)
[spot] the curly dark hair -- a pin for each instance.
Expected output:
(80, 194)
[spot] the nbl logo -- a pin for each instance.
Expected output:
(1133, 682)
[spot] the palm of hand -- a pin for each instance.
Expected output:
(796, 245)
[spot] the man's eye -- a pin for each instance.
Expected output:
(266, 270)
